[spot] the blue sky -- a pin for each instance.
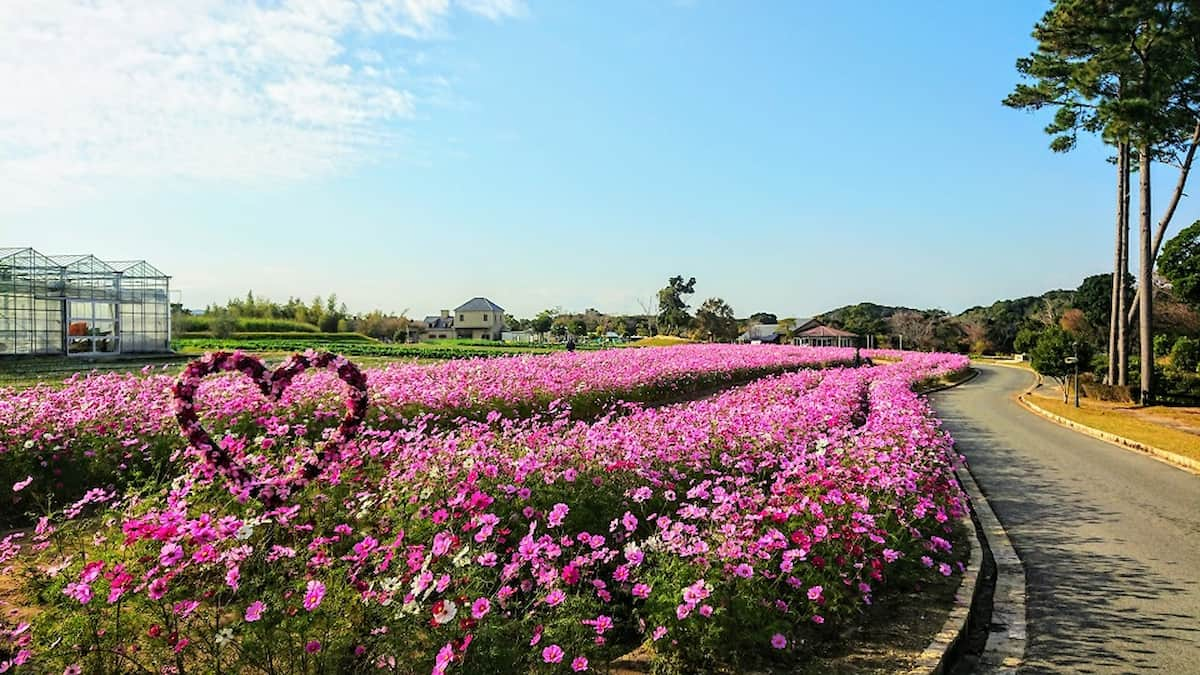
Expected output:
(792, 156)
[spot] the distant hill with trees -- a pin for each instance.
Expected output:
(1083, 312)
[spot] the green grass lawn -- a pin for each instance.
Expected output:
(1130, 422)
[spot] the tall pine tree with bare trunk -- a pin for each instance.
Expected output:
(1129, 70)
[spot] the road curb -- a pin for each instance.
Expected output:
(1165, 456)
(1004, 650)
(943, 650)
(1004, 621)
(950, 385)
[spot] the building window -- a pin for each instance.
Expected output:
(485, 317)
(462, 317)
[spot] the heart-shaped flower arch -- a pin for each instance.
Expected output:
(272, 383)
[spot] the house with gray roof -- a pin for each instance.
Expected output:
(765, 333)
(475, 319)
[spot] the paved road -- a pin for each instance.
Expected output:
(1110, 539)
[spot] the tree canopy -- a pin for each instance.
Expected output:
(1180, 264)
(1050, 354)
(672, 309)
(715, 320)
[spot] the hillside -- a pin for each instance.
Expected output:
(992, 328)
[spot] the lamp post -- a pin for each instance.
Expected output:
(1074, 360)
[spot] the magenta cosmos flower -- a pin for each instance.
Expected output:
(313, 595)
(254, 610)
(552, 654)
(480, 608)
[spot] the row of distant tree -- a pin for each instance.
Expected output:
(669, 313)
(325, 314)
(1083, 313)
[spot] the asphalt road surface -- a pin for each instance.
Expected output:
(1110, 539)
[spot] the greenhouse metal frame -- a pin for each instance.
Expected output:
(79, 305)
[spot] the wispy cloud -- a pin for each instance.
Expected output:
(209, 89)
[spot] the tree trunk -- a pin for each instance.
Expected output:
(1123, 282)
(1115, 299)
(1145, 267)
(1184, 169)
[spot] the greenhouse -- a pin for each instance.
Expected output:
(79, 305)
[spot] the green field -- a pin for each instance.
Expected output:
(357, 345)
(272, 346)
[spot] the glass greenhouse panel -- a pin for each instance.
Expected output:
(79, 305)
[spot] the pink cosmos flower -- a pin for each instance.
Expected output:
(185, 607)
(91, 571)
(558, 514)
(778, 641)
(641, 591)
(312, 646)
(552, 654)
(444, 656)
(659, 633)
(555, 597)
(480, 608)
(78, 591)
(630, 521)
(170, 554)
(601, 623)
(254, 611)
(891, 555)
(22, 484)
(157, 589)
(579, 664)
(313, 595)
(706, 610)
(441, 543)
(73, 669)
(744, 571)
(814, 593)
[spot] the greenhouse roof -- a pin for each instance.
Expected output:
(31, 260)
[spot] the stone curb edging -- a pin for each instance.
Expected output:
(942, 650)
(1165, 456)
(1004, 651)
(937, 656)
(950, 385)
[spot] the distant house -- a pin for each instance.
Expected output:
(813, 334)
(519, 336)
(475, 319)
(437, 327)
(765, 333)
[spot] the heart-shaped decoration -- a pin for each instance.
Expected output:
(272, 383)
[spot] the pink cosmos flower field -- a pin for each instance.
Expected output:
(730, 531)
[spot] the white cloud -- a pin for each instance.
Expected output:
(494, 9)
(209, 89)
